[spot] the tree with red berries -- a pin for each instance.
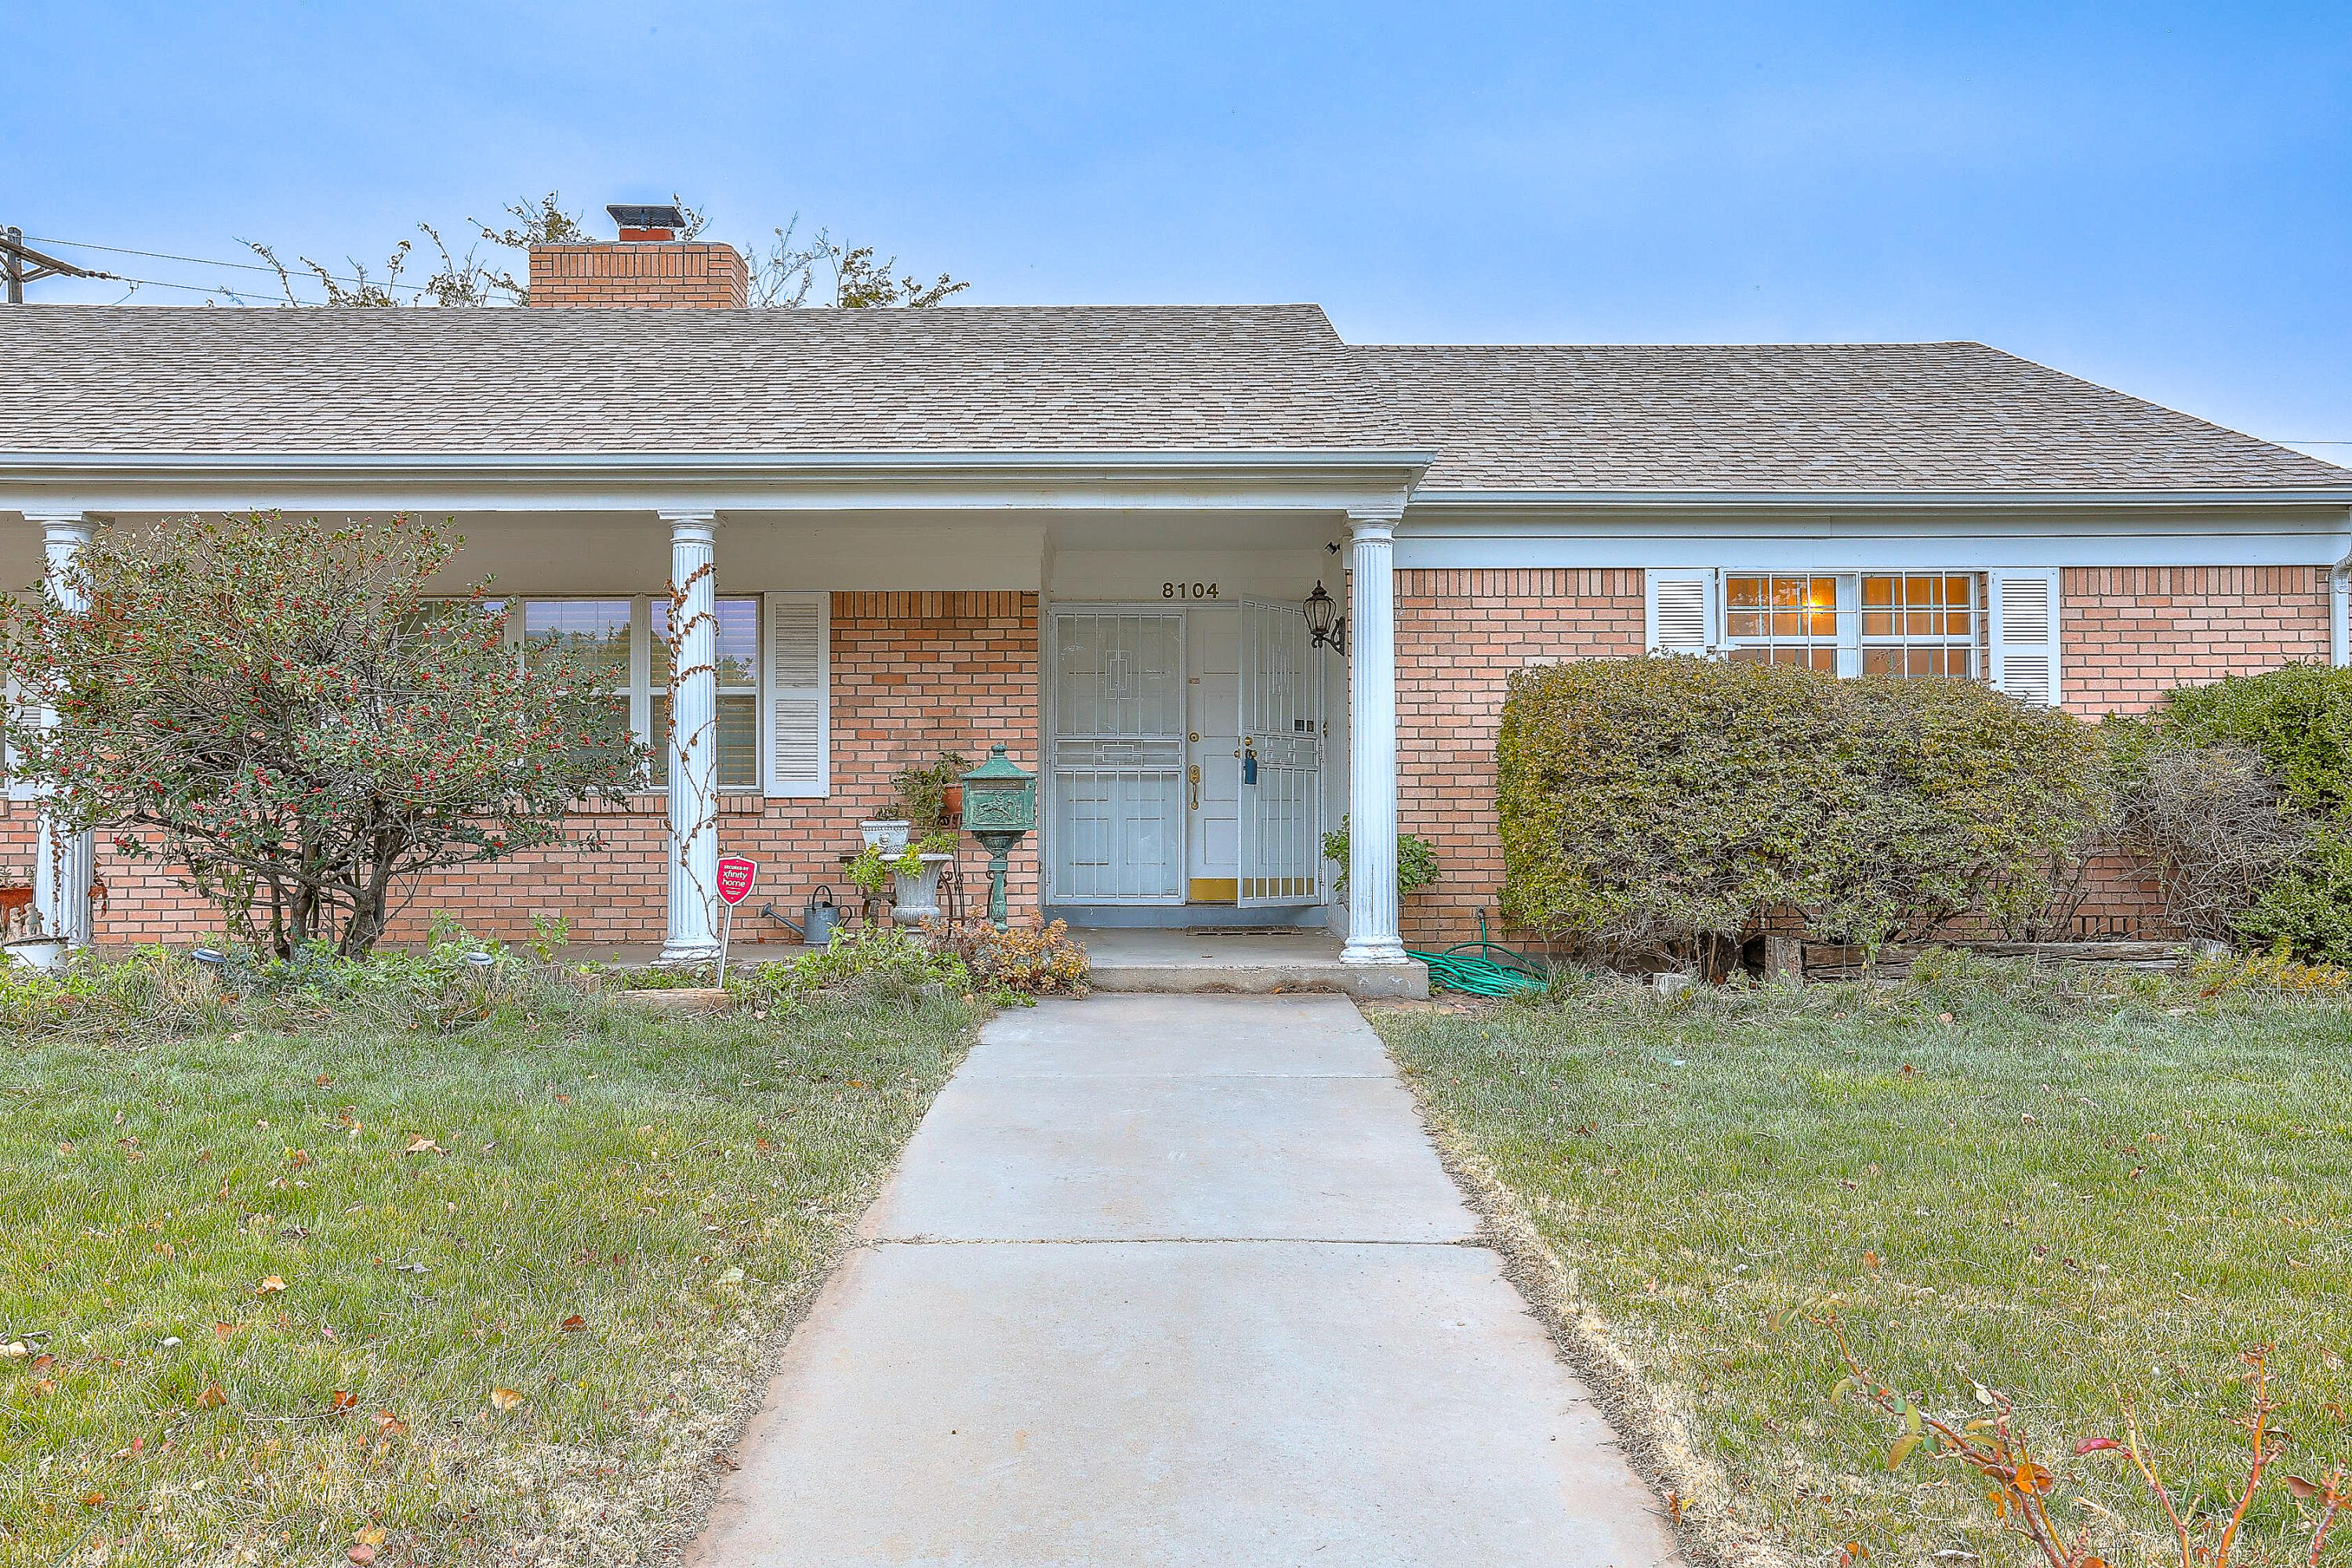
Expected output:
(283, 714)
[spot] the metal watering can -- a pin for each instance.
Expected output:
(818, 920)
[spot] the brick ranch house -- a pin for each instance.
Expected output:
(1088, 534)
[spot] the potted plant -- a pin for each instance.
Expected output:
(932, 796)
(912, 873)
(886, 834)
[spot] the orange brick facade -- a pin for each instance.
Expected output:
(916, 674)
(2130, 633)
(1459, 635)
(913, 675)
(680, 275)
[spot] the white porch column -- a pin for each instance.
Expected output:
(63, 864)
(693, 738)
(1373, 743)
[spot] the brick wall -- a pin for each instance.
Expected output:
(913, 675)
(674, 274)
(1459, 635)
(2130, 633)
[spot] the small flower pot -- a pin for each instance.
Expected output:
(916, 897)
(886, 834)
(951, 806)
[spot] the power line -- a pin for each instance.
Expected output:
(208, 261)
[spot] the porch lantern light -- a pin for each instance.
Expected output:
(1326, 626)
(1000, 807)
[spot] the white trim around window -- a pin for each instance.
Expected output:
(2000, 626)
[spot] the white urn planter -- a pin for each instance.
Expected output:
(886, 834)
(44, 954)
(916, 897)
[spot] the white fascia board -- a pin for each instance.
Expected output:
(2292, 532)
(829, 482)
(1430, 500)
(1910, 553)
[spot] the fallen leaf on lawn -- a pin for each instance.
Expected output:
(224, 1330)
(732, 1276)
(13, 1351)
(371, 1536)
(322, 1080)
(47, 1386)
(420, 1144)
(93, 1500)
(269, 1286)
(504, 1398)
(574, 1323)
(389, 1424)
(343, 1400)
(212, 1398)
(2301, 1488)
(360, 1555)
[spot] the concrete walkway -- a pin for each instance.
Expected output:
(1176, 1279)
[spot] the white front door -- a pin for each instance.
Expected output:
(1212, 655)
(1282, 725)
(1117, 696)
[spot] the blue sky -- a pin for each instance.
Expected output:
(2155, 197)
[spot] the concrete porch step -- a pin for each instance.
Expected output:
(1135, 958)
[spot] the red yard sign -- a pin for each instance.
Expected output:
(735, 876)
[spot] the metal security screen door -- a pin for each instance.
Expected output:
(1282, 746)
(1118, 756)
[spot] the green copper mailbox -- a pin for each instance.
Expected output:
(1000, 804)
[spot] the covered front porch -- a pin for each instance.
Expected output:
(787, 636)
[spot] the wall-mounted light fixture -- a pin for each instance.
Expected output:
(1326, 626)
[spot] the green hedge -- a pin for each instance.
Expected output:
(2298, 720)
(1669, 804)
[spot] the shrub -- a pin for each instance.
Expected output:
(1032, 961)
(886, 960)
(1416, 859)
(1668, 805)
(281, 711)
(2213, 824)
(2240, 795)
(151, 992)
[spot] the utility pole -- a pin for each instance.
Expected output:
(14, 256)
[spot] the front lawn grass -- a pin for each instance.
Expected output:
(483, 1296)
(2074, 1189)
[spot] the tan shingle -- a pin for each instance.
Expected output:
(1185, 378)
(1827, 417)
(1879, 417)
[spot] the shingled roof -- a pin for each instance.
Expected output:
(1808, 416)
(1079, 379)
(982, 379)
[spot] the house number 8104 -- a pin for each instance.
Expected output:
(1188, 590)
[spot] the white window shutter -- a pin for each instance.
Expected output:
(799, 698)
(1682, 614)
(2024, 634)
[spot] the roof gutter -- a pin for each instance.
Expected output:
(1876, 500)
(725, 464)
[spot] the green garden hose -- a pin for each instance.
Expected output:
(1474, 968)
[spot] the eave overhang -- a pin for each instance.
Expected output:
(1334, 480)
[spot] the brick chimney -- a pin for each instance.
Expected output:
(650, 266)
